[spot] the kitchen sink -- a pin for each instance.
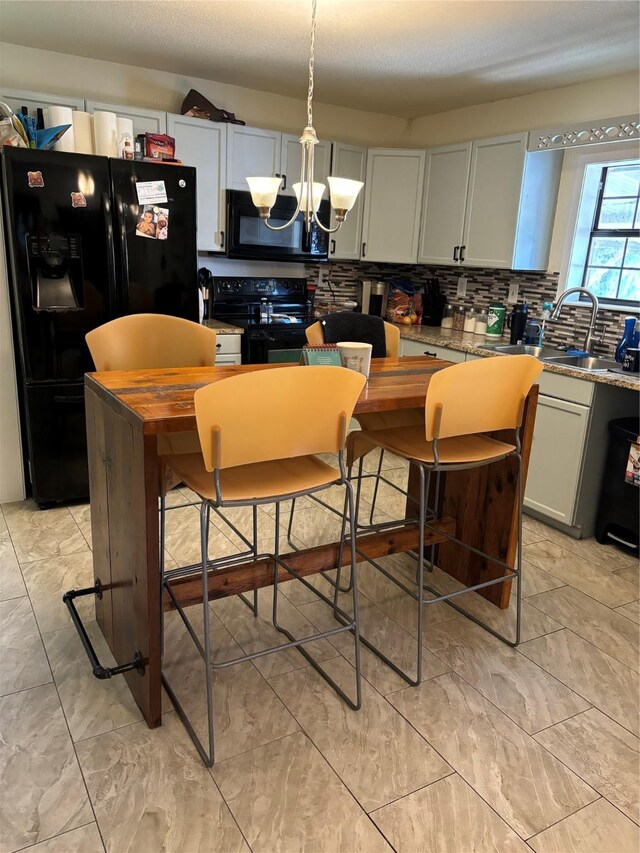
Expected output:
(523, 349)
(585, 363)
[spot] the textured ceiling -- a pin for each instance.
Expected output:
(402, 58)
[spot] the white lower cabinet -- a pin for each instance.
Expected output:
(556, 458)
(228, 349)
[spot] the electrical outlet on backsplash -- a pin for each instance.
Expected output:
(483, 287)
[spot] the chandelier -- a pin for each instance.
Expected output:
(342, 191)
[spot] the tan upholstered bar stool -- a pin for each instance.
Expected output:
(150, 341)
(248, 461)
(366, 420)
(147, 341)
(464, 403)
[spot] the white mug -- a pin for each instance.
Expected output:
(355, 356)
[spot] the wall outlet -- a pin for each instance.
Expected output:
(462, 286)
(514, 287)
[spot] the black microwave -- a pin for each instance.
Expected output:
(248, 236)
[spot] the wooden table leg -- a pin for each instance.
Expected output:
(123, 482)
(484, 503)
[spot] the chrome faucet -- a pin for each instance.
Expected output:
(594, 311)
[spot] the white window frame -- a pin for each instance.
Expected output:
(603, 154)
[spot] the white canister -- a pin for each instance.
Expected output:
(356, 356)
(105, 133)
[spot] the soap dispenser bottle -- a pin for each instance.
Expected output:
(628, 338)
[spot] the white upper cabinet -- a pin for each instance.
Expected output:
(493, 199)
(489, 203)
(393, 198)
(144, 121)
(348, 161)
(16, 99)
(203, 144)
(251, 152)
(291, 162)
(445, 192)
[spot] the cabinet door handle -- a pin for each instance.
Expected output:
(455, 253)
(222, 239)
(431, 354)
(278, 175)
(218, 346)
(364, 250)
(284, 182)
(462, 248)
(333, 247)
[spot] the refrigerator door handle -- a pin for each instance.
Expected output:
(124, 253)
(111, 262)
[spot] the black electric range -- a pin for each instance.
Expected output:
(274, 312)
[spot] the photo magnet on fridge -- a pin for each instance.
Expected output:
(153, 222)
(78, 200)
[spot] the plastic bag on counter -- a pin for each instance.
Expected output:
(404, 304)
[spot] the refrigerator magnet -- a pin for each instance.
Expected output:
(151, 192)
(153, 222)
(78, 200)
(35, 179)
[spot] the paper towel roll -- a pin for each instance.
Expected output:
(83, 132)
(125, 131)
(55, 116)
(105, 134)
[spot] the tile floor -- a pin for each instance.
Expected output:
(498, 750)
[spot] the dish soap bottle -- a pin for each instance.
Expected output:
(628, 338)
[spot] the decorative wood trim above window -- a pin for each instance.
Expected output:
(589, 133)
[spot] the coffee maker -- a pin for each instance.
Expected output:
(373, 297)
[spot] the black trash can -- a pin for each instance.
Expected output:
(617, 519)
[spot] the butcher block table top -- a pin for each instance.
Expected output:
(160, 401)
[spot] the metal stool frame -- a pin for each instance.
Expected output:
(349, 623)
(425, 470)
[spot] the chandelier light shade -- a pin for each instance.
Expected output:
(343, 192)
(302, 196)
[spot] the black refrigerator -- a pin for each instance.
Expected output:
(88, 239)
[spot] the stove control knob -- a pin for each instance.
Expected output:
(237, 285)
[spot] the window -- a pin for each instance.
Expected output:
(603, 254)
(612, 270)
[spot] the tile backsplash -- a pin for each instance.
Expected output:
(483, 287)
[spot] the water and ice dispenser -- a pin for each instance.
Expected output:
(55, 271)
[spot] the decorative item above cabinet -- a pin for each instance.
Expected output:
(489, 203)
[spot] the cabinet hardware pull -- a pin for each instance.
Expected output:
(222, 239)
(284, 181)
(431, 354)
(364, 250)
(462, 248)
(218, 346)
(455, 253)
(333, 247)
(278, 175)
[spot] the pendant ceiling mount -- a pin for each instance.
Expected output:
(343, 192)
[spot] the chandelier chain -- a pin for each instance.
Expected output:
(312, 51)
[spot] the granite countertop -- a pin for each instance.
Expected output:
(467, 342)
(223, 328)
